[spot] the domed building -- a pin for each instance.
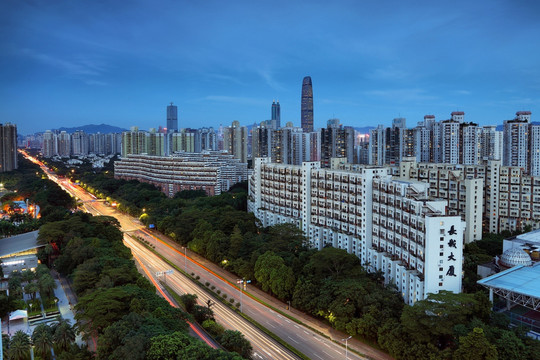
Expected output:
(514, 257)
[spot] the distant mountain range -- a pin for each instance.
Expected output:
(92, 129)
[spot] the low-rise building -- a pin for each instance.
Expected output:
(214, 172)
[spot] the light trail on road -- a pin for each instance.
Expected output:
(309, 342)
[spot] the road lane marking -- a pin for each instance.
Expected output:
(327, 354)
(326, 344)
(318, 356)
(271, 325)
(306, 332)
(293, 339)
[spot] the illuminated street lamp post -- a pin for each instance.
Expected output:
(346, 347)
(243, 284)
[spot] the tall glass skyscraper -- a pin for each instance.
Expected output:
(276, 113)
(172, 118)
(306, 119)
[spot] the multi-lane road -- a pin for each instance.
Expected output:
(310, 343)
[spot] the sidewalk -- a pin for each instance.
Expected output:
(66, 301)
(310, 321)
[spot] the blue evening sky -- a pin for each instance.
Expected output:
(68, 63)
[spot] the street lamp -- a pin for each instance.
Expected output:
(346, 347)
(243, 284)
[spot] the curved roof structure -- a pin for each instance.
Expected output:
(514, 257)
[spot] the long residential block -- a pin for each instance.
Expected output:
(212, 171)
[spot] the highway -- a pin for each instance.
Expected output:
(310, 343)
(263, 347)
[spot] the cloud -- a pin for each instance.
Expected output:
(388, 73)
(223, 77)
(270, 81)
(84, 69)
(462, 92)
(401, 95)
(235, 99)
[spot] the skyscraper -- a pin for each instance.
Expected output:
(276, 114)
(306, 119)
(172, 118)
(8, 147)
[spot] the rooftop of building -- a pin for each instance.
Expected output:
(18, 243)
(532, 237)
(519, 279)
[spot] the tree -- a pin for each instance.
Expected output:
(236, 242)
(235, 341)
(433, 319)
(32, 288)
(189, 301)
(475, 346)
(510, 347)
(180, 346)
(46, 284)
(64, 334)
(273, 275)
(333, 262)
(99, 309)
(19, 347)
(42, 338)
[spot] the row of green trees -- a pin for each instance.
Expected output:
(60, 337)
(116, 305)
(333, 285)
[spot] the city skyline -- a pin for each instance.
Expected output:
(105, 63)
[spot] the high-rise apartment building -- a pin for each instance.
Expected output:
(336, 142)
(276, 114)
(64, 144)
(491, 143)
(79, 143)
(184, 140)
(8, 147)
(235, 140)
(261, 141)
(134, 142)
(205, 139)
(392, 226)
(469, 144)
(462, 189)
(306, 119)
(516, 140)
(49, 144)
(449, 139)
(172, 118)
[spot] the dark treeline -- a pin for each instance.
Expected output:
(330, 284)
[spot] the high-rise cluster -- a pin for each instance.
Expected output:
(64, 144)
